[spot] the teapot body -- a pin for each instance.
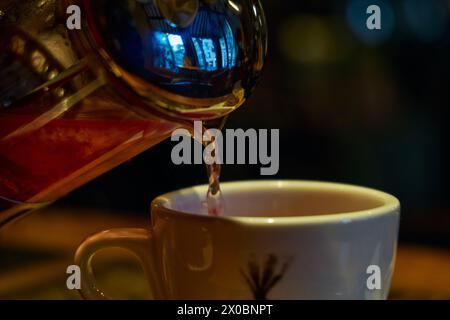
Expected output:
(76, 103)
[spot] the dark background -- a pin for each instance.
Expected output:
(356, 106)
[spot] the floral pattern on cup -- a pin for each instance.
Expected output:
(263, 277)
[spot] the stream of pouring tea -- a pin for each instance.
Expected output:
(214, 199)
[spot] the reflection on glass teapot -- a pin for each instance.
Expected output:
(74, 104)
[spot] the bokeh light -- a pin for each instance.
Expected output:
(357, 18)
(426, 19)
(310, 39)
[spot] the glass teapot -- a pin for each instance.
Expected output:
(76, 103)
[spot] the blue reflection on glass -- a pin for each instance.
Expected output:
(176, 42)
(162, 53)
(199, 52)
(224, 50)
(209, 55)
(169, 50)
(231, 46)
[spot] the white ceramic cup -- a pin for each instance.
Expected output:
(277, 240)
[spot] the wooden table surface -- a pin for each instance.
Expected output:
(35, 252)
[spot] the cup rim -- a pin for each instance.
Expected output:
(390, 203)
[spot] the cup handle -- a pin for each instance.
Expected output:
(137, 241)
